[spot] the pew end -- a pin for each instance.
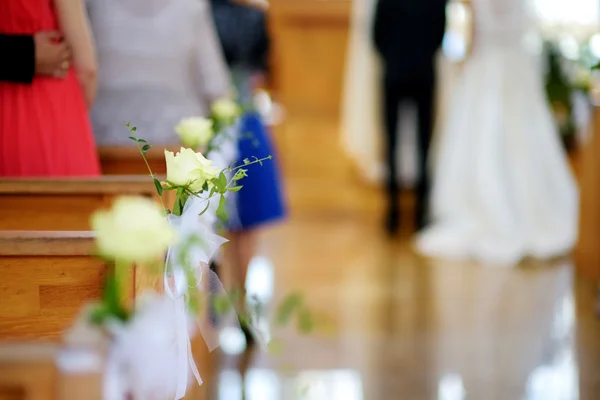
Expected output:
(28, 371)
(47, 278)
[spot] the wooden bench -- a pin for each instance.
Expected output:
(126, 160)
(46, 278)
(28, 371)
(588, 249)
(63, 204)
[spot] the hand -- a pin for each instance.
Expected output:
(259, 81)
(260, 4)
(52, 55)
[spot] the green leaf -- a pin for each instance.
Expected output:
(133, 129)
(245, 320)
(222, 182)
(222, 209)
(239, 174)
(146, 148)
(246, 161)
(275, 347)
(99, 314)
(183, 199)
(205, 208)
(177, 207)
(235, 294)
(221, 305)
(305, 321)
(235, 188)
(158, 186)
(133, 138)
(141, 141)
(287, 308)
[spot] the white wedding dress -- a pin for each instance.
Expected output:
(503, 189)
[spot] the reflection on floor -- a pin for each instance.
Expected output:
(394, 325)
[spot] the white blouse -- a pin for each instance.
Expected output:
(159, 61)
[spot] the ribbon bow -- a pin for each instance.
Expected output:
(191, 225)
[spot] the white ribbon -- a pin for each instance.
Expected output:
(150, 357)
(190, 224)
(147, 354)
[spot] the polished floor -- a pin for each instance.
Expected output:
(391, 325)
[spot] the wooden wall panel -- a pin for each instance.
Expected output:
(309, 49)
(588, 251)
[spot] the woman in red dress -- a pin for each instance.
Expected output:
(44, 127)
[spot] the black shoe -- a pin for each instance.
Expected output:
(214, 267)
(250, 341)
(392, 222)
(420, 218)
(212, 313)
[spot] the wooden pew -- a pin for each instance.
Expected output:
(126, 160)
(46, 278)
(28, 371)
(588, 250)
(63, 204)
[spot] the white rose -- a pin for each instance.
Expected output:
(188, 168)
(134, 229)
(226, 110)
(195, 132)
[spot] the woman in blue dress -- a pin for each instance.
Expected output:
(243, 33)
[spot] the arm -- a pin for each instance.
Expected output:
(18, 54)
(75, 25)
(260, 4)
(213, 74)
(471, 26)
(259, 56)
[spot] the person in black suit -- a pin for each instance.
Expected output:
(407, 36)
(26, 55)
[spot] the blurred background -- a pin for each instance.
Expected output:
(404, 327)
(385, 321)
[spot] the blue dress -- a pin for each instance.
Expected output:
(261, 200)
(245, 42)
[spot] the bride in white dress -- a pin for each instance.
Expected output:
(503, 189)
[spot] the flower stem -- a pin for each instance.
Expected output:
(152, 175)
(121, 285)
(231, 169)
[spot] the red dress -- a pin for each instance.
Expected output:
(44, 127)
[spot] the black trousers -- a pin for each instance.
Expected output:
(420, 91)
